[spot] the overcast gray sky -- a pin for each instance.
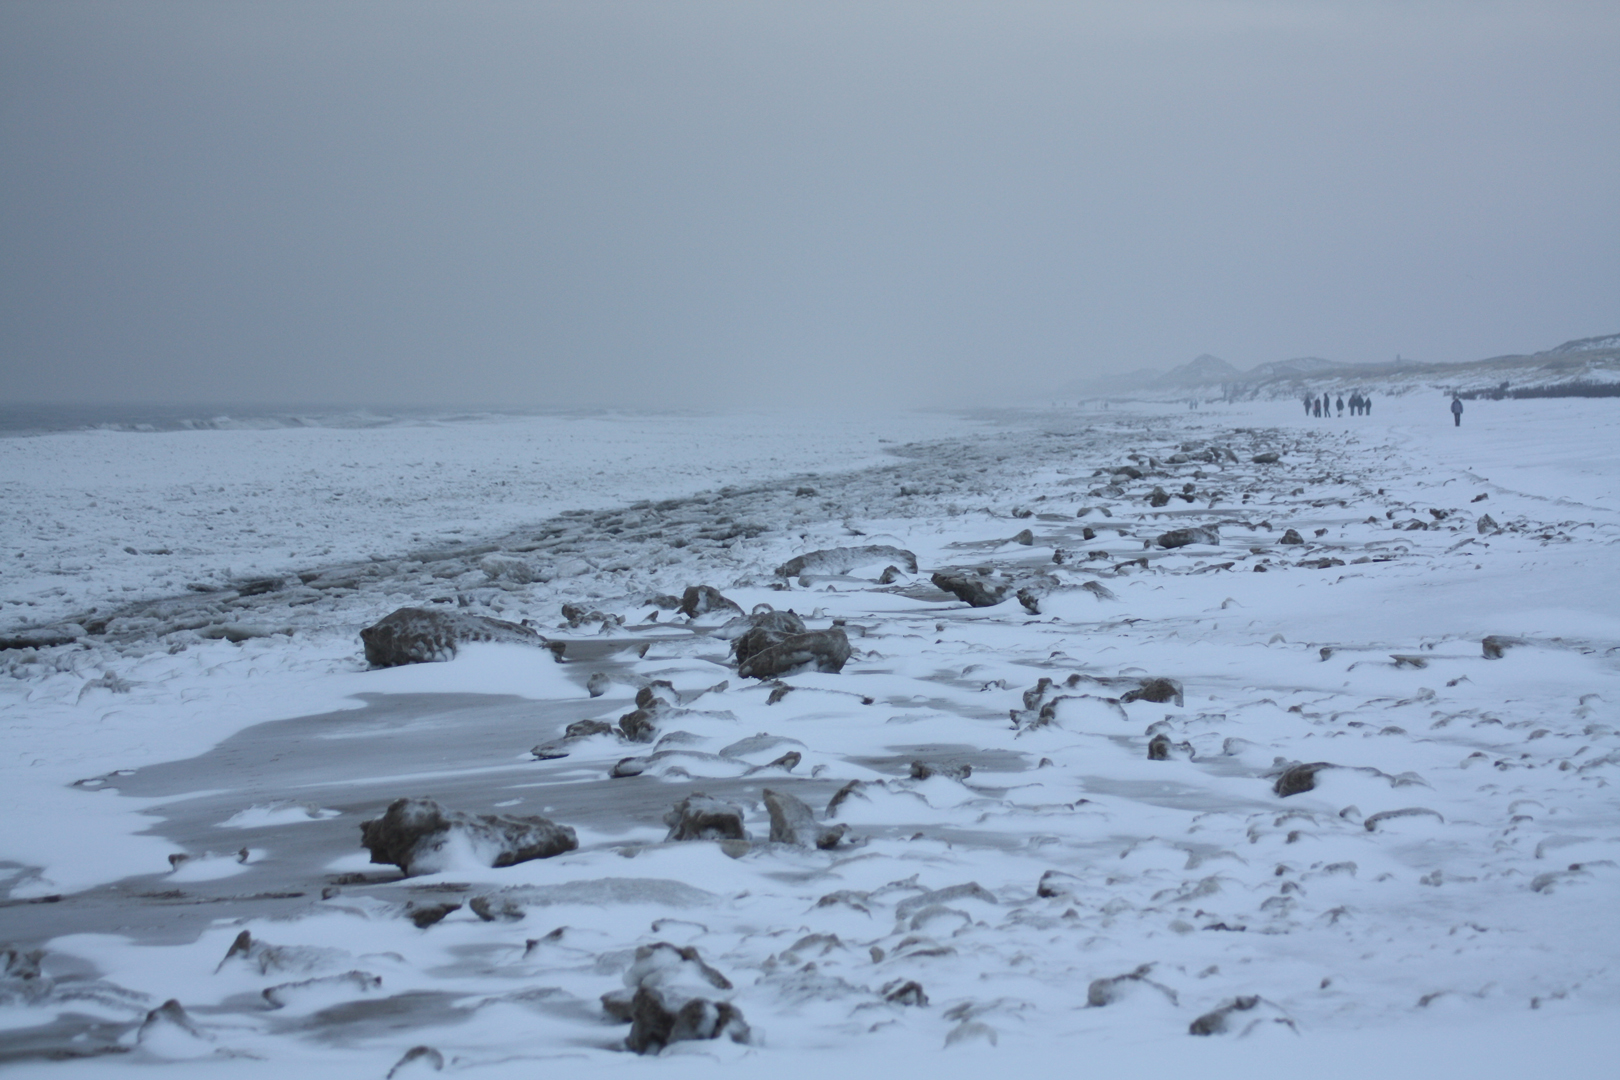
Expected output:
(688, 203)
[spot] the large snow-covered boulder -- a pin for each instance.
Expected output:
(777, 642)
(421, 635)
(670, 996)
(421, 837)
(1177, 538)
(793, 822)
(702, 817)
(978, 590)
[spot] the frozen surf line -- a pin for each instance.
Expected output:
(96, 518)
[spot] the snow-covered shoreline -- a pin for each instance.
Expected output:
(94, 518)
(1359, 646)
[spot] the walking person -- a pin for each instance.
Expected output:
(1456, 411)
(1339, 404)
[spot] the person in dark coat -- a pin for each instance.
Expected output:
(1316, 406)
(1456, 411)
(1340, 404)
(1366, 405)
(1308, 400)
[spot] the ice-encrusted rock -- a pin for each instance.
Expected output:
(657, 695)
(417, 1061)
(1270, 457)
(977, 590)
(1161, 748)
(169, 1031)
(578, 615)
(1176, 538)
(1244, 1011)
(1099, 590)
(1084, 709)
(1056, 884)
(1037, 694)
(1103, 992)
(843, 560)
(421, 837)
(426, 915)
(20, 979)
(268, 958)
(639, 725)
(575, 732)
(705, 600)
(1297, 779)
(777, 642)
(1032, 590)
(1160, 691)
(855, 789)
(787, 763)
(495, 909)
(1291, 537)
(422, 635)
(670, 996)
(904, 992)
(793, 822)
(700, 817)
(512, 568)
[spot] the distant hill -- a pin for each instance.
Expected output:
(1587, 344)
(1582, 362)
(1300, 367)
(1202, 371)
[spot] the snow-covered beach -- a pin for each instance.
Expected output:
(1437, 896)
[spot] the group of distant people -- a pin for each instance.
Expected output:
(1360, 405)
